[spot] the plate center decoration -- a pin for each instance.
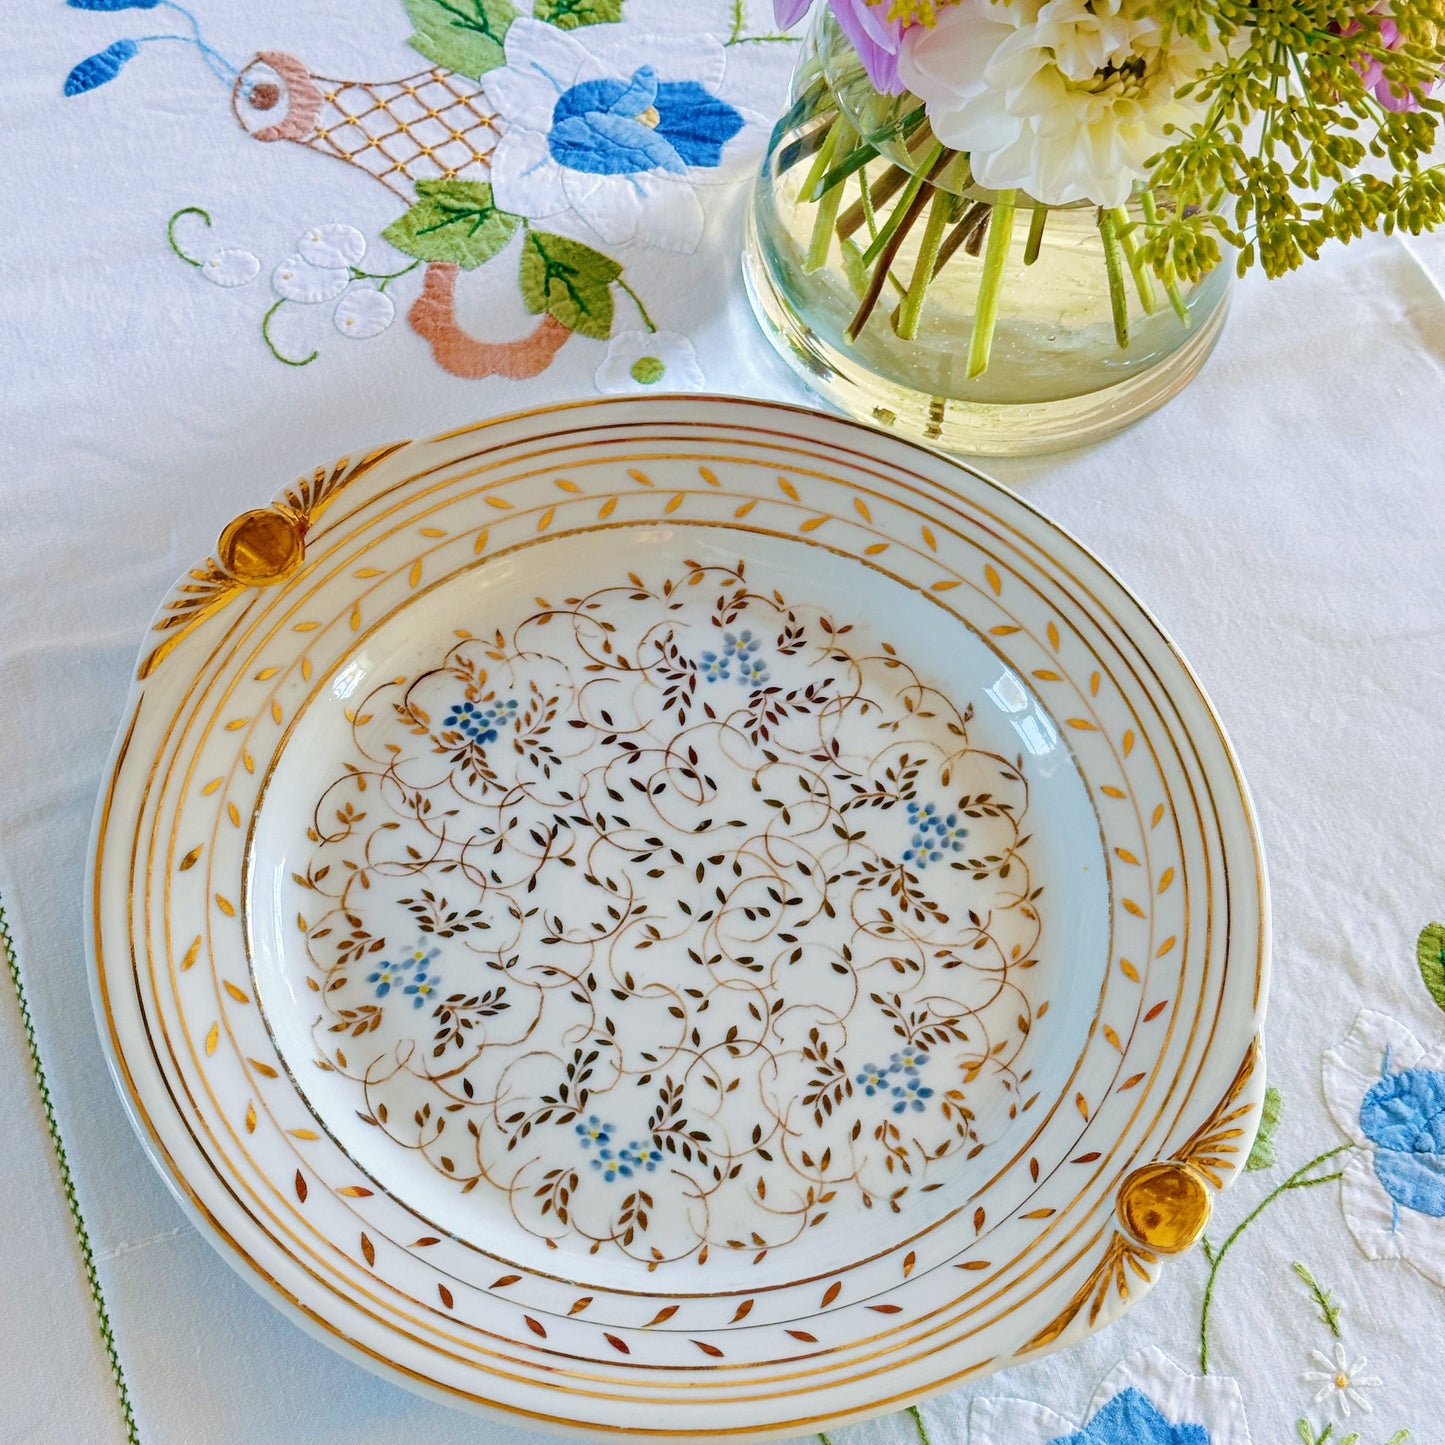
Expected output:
(679, 919)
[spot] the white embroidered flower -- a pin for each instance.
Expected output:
(1065, 100)
(615, 123)
(230, 267)
(363, 311)
(1341, 1381)
(336, 244)
(650, 361)
(1386, 1091)
(298, 280)
(1145, 1400)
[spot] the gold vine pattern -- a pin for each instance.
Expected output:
(770, 910)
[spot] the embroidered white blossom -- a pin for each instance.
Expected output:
(230, 267)
(1341, 1381)
(298, 280)
(335, 244)
(1065, 100)
(650, 361)
(363, 311)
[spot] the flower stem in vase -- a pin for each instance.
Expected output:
(1114, 269)
(926, 266)
(908, 202)
(886, 245)
(1171, 281)
(878, 194)
(1035, 242)
(1143, 284)
(839, 138)
(990, 286)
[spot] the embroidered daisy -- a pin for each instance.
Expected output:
(650, 361)
(1341, 1382)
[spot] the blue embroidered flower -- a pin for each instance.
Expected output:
(1404, 1117)
(934, 834)
(908, 1060)
(613, 1166)
(615, 130)
(910, 1094)
(594, 1131)
(714, 668)
(1131, 1418)
(615, 127)
(422, 988)
(872, 1079)
(643, 1155)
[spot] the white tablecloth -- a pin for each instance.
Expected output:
(1285, 519)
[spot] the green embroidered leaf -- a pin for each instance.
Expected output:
(453, 221)
(1430, 950)
(569, 14)
(569, 281)
(1262, 1155)
(463, 35)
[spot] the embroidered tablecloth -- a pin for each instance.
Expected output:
(242, 240)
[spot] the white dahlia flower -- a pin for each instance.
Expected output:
(1065, 100)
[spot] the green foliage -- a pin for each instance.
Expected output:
(1323, 1298)
(1430, 952)
(463, 35)
(1271, 168)
(569, 14)
(569, 281)
(453, 221)
(1262, 1155)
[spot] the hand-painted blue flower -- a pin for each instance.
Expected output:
(910, 1094)
(384, 976)
(613, 1166)
(934, 835)
(907, 1060)
(873, 1079)
(615, 127)
(480, 724)
(643, 1155)
(1130, 1418)
(714, 668)
(1404, 1117)
(422, 988)
(594, 1131)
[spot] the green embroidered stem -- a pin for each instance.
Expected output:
(1297, 1180)
(824, 1438)
(67, 1183)
(990, 287)
(911, 311)
(1114, 269)
(1124, 228)
(1329, 1310)
(647, 321)
(171, 231)
(922, 1428)
(271, 345)
(385, 277)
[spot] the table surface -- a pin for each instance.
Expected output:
(1284, 519)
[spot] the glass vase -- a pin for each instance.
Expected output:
(978, 322)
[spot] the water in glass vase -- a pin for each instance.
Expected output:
(975, 321)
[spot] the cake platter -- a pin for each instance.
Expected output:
(683, 917)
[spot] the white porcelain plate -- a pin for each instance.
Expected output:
(681, 917)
